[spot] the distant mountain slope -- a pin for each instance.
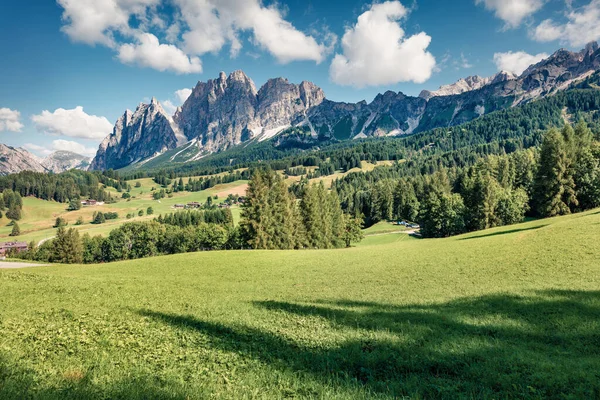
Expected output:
(13, 160)
(229, 111)
(61, 161)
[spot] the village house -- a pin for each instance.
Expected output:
(194, 204)
(91, 203)
(12, 246)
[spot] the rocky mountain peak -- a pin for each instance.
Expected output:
(61, 161)
(463, 85)
(503, 76)
(14, 160)
(137, 136)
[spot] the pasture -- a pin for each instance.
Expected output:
(512, 312)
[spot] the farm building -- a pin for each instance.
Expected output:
(91, 203)
(15, 246)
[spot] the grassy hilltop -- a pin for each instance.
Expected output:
(512, 312)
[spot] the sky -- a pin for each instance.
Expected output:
(70, 68)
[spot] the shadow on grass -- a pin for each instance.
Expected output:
(546, 345)
(534, 228)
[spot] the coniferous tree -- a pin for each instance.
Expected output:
(16, 231)
(67, 247)
(554, 185)
(352, 230)
(14, 212)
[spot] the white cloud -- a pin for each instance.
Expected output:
(377, 52)
(10, 120)
(512, 12)
(75, 147)
(94, 21)
(148, 52)
(61, 145)
(464, 62)
(581, 26)
(132, 27)
(39, 150)
(73, 123)
(169, 107)
(183, 94)
(517, 62)
(215, 23)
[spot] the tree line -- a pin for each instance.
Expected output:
(561, 177)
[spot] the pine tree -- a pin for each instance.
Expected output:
(67, 247)
(16, 231)
(554, 184)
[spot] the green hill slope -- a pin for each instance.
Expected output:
(510, 312)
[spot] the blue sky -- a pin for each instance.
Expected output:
(69, 66)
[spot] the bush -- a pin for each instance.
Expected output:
(60, 222)
(74, 205)
(16, 231)
(14, 213)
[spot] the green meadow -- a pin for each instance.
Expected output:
(39, 216)
(512, 312)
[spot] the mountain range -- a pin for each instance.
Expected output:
(14, 160)
(230, 110)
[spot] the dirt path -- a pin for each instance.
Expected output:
(15, 265)
(412, 232)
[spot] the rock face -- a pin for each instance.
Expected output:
(463, 85)
(61, 161)
(229, 110)
(138, 136)
(14, 160)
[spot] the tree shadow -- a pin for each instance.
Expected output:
(544, 345)
(534, 228)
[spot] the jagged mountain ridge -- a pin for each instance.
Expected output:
(229, 110)
(61, 161)
(137, 136)
(14, 160)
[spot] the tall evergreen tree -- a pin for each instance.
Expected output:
(554, 184)
(67, 247)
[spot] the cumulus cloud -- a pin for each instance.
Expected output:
(132, 28)
(169, 107)
(39, 150)
(60, 145)
(215, 23)
(73, 123)
(10, 120)
(95, 21)
(581, 26)
(149, 52)
(512, 12)
(180, 96)
(75, 147)
(377, 52)
(517, 62)
(183, 94)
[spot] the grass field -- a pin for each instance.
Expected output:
(506, 313)
(39, 216)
